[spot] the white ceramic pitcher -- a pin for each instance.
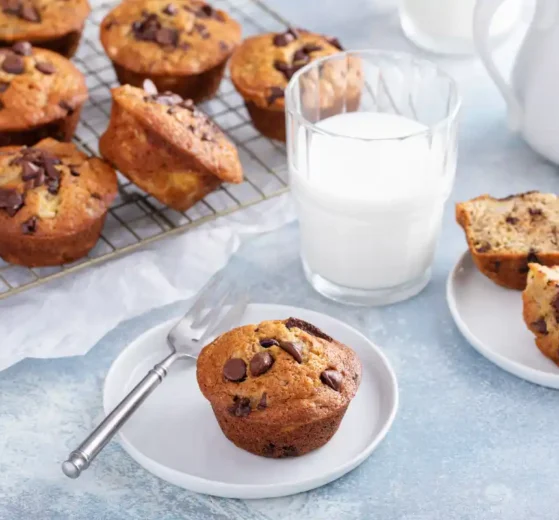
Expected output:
(533, 95)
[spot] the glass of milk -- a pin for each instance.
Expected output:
(446, 26)
(371, 140)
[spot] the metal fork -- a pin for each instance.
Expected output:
(185, 340)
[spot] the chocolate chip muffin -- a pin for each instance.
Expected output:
(41, 95)
(278, 389)
(166, 146)
(541, 308)
(263, 65)
(53, 202)
(505, 235)
(181, 45)
(51, 24)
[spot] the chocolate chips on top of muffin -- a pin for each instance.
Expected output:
(23, 9)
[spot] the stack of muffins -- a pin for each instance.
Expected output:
(168, 56)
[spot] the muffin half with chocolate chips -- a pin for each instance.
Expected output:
(263, 65)
(53, 202)
(56, 25)
(41, 95)
(505, 235)
(166, 146)
(541, 308)
(278, 389)
(181, 45)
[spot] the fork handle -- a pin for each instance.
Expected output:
(83, 455)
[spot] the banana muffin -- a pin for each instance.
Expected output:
(41, 95)
(263, 65)
(166, 146)
(181, 45)
(541, 308)
(53, 202)
(51, 24)
(280, 388)
(505, 235)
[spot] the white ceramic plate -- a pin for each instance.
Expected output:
(175, 436)
(490, 317)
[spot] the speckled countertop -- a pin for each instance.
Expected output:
(470, 441)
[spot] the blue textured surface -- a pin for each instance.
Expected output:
(470, 441)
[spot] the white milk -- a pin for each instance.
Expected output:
(369, 211)
(451, 20)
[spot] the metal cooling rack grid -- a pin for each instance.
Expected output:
(136, 218)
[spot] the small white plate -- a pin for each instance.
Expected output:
(175, 435)
(490, 317)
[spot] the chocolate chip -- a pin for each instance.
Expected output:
(171, 10)
(53, 186)
(65, 106)
(311, 47)
(334, 42)
(269, 342)
(13, 64)
(29, 226)
(30, 13)
(29, 170)
(207, 11)
(240, 407)
(268, 450)
(483, 248)
(202, 30)
(4, 86)
(283, 39)
(532, 257)
(11, 7)
(149, 87)
(263, 403)
(235, 370)
(496, 266)
(301, 57)
(39, 179)
(295, 349)
(511, 220)
(261, 363)
(22, 48)
(45, 67)
(167, 37)
(184, 46)
(50, 169)
(540, 326)
(535, 212)
(307, 327)
(286, 69)
(332, 378)
(146, 29)
(10, 200)
(289, 451)
(74, 172)
(223, 46)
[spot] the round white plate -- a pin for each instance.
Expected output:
(490, 317)
(175, 435)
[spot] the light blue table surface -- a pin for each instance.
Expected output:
(470, 441)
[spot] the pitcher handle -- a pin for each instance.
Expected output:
(483, 15)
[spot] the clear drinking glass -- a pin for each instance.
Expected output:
(371, 140)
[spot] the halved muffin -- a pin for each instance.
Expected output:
(541, 308)
(505, 235)
(166, 146)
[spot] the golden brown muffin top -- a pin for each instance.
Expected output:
(263, 65)
(40, 19)
(183, 126)
(37, 86)
(286, 370)
(52, 188)
(174, 37)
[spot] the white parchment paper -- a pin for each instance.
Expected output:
(67, 317)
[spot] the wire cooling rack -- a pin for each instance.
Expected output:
(136, 218)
